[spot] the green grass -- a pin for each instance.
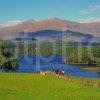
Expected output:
(37, 87)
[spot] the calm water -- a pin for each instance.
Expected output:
(29, 65)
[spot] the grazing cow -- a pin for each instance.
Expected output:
(59, 73)
(43, 73)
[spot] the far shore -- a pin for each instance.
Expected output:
(92, 68)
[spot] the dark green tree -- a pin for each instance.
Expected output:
(6, 54)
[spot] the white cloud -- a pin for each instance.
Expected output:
(10, 23)
(90, 9)
(90, 20)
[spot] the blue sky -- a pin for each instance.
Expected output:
(42, 9)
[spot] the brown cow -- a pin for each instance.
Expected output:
(59, 73)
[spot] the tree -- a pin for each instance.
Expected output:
(6, 53)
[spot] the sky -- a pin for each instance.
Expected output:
(75, 10)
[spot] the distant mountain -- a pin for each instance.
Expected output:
(35, 27)
(57, 35)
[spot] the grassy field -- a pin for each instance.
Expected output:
(38, 87)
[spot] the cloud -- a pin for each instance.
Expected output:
(90, 9)
(90, 20)
(11, 23)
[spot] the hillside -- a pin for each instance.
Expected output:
(51, 24)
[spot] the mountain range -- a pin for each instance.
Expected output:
(50, 29)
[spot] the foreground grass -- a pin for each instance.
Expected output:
(37, 87)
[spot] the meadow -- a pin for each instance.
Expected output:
(14, 86)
